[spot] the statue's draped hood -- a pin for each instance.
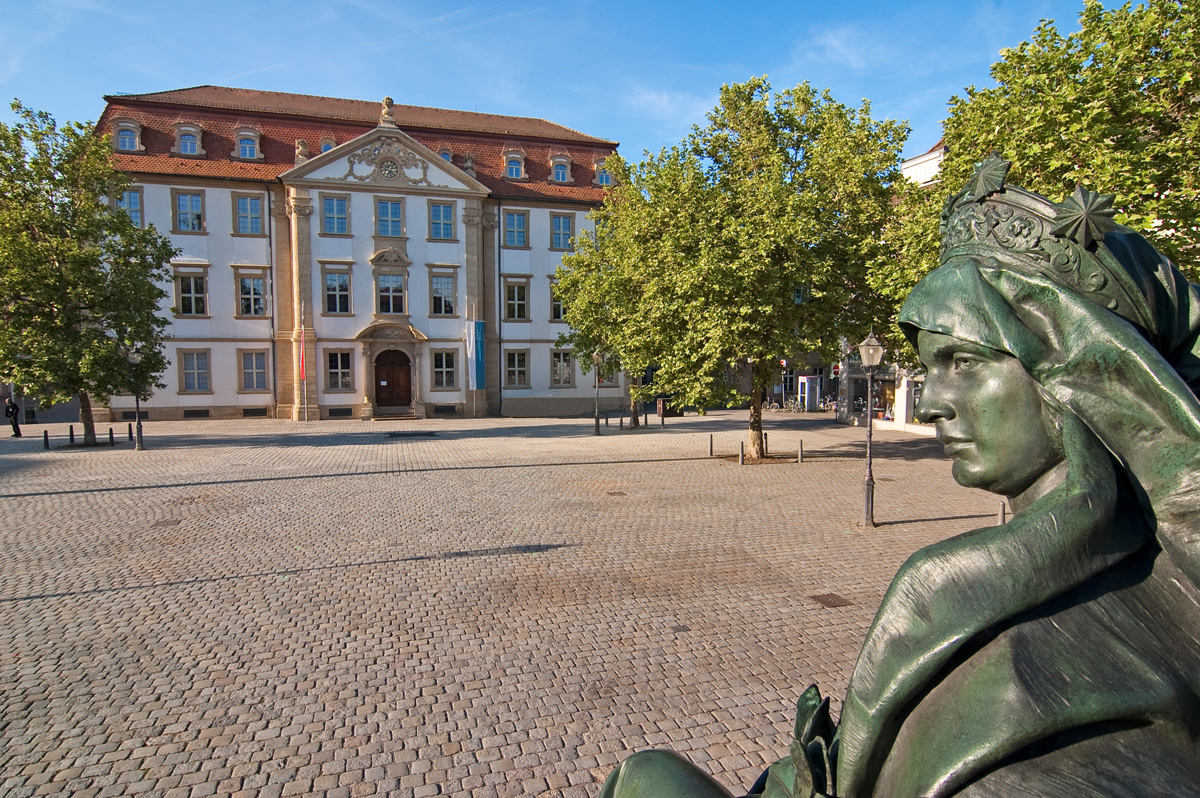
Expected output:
(1109, 328)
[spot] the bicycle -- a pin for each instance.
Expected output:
(770, 405)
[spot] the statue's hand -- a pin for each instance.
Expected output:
(807, 771)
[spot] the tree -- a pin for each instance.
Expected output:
(1114, 107)
(747, 243)
(78, 279)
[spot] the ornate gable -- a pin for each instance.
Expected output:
(384, 159)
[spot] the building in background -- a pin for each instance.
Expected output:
(343, 259)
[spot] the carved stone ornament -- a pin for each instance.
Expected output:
(403, 166)
(300, 208)
(472, 216)
(301, 151)
(386, 116)
(390, 257)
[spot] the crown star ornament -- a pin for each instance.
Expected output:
(988, 177)
(1085, 216)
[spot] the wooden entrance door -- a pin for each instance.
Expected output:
(393, 379)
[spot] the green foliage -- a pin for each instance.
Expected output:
(77, 278)
(1114, 107)
(699, 251)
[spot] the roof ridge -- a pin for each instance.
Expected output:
(166, 96)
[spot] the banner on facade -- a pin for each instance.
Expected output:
(475, 378)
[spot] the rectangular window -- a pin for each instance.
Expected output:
(252, 296)
(192, 299)
(516, 301)
(189, 212)
(339, 377)
(516, 225)
(337, 292)
(131, 202)
(562, 370)
(516, 369)
(195, 371)
(391, 293)
(441, 221)
(556, 309)
(254, 371)
(389, 218)
(443, 369)
(247, 211)
(561, 229)
(335, 215)
(442, 290)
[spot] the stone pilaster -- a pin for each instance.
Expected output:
(300, 209)
(283, 287)
(490, 312)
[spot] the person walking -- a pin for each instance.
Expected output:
(12, 412)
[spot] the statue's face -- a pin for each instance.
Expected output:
(988, 413)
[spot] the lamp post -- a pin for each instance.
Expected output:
(871, 353)
(596, 361)
(135, 360)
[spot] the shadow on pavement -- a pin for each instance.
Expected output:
(498, 551)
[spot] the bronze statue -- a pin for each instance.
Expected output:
(1059, 653)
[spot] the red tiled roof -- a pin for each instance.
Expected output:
(361, 111)
(281, 129)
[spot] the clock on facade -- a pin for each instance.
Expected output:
(389, 169)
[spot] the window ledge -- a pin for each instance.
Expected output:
(506, 246)
(518, 321)
(184, 316)
(451, 389)
(335, 235)
(442, 240)
(253, 318)
(518, 387)
(398, 318)
(444, 316)
(340, 390)
(338, 315)
(194, 393)
(236, 234)
(558, 321)
(255, 391)
(189, 232)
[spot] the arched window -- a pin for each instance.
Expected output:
(247, 144)
(561, 172)
(189, 142)
(514, 168)
(603, 178)
(126, 140)
(446, 155)
(327, 144)
(127, 135)
(247, 148)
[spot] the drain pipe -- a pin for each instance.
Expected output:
(500, 372)
(274, 305)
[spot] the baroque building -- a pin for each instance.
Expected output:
(339, 259)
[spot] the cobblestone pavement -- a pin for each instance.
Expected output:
(488, 608)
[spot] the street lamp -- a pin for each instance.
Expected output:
(596, 361)
(135, 360)
(871, 353)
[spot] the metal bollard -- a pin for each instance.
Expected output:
(1001, 517)
(131, 431)
(71, 433)
(646, 418)
(111, 440)
(800, 454)
(662, 420)
(45, 439)
(710, 444)
(622, 421)
(766, 449)
(741, 453)
(606, 419)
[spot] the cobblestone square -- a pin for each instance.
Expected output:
(494, 607)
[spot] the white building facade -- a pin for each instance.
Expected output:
(335, 268)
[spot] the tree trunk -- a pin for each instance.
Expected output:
(85, 418)
(635, 408)
(757, 396)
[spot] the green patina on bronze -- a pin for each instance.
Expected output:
(1057, 654)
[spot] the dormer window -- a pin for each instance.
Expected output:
(514, 164)
(127, 136)
(327, 144)
(603, 178)
(445, 154)
(560, 168)
(189, 140)
(247, 144)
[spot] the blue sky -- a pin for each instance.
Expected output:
(641, 73)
